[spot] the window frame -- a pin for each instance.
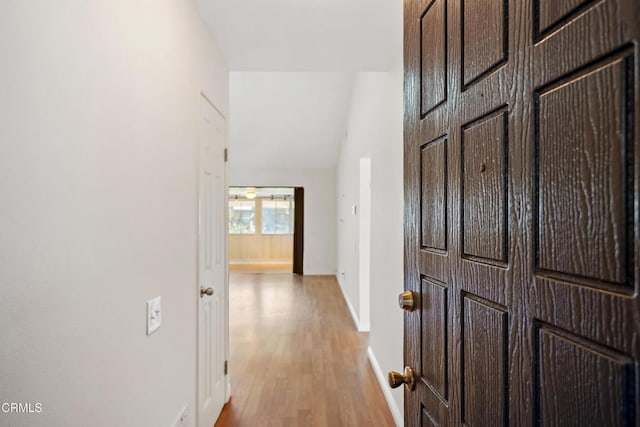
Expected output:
(256, 216)
(290, 203)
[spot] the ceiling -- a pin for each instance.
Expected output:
(305, 35)
(292, 66)
(261, 191)
(287, 120)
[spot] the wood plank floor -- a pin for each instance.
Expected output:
(296, 357)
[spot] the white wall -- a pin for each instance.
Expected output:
(319, 208)
(374, 129)
(99, 112)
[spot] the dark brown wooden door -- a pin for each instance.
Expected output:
(521, 212)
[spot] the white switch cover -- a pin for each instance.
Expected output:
(154, 314)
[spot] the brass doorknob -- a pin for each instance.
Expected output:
(406, 301)
(208, 291)
(396, 379)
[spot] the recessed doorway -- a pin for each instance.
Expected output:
(265, 230)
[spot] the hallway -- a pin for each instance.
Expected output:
(296, 357)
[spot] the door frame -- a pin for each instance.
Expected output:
(297, 254)
(363, 219)
(225, 253)
(298, 230)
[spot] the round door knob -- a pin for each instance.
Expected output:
(396, 379)
(406, 301)
(208, 291)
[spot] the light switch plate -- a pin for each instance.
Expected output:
(154, 314)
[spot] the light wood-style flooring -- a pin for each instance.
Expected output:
(296, 357)
(285, 267)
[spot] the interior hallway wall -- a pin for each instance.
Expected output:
(374, 129)
(319, 208)
(99, 117)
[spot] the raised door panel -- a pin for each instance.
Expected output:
(433, 53)
(581, 383)
(484, 38)
(584, 152)
(484, 363)
(550, 14)
(485, 184)
(434, 337)
(434, 195)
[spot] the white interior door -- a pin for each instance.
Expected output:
(211, 266)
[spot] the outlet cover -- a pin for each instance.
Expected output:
(154, 314)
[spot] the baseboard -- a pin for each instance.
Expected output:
(382, 379)
(318, 273)
(354, 316)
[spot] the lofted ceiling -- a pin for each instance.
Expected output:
(287, 120)
(292, 67)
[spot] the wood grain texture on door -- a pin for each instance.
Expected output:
(522, 212)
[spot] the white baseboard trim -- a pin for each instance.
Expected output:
(318, 273)
(354, 316)
(395, 411)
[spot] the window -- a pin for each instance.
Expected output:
(261, 211)
(277, 216)
(242, 216)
